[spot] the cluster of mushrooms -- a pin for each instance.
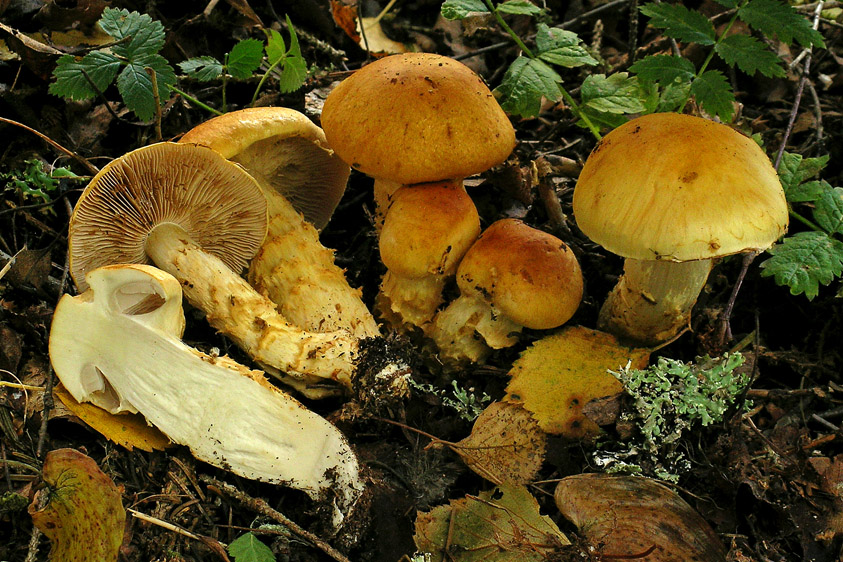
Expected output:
(252, 188)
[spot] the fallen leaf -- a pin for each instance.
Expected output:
(30, 268)
(83, 516)
(345, 16)
(506, 445)
(127, 430)
(501, 525)
(244, 8)
(632, 517)
(560, 373)
(374, 40)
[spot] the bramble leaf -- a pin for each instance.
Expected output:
(245, 57)
(142, 34)
(101, 68)
(772, 17)
(460, 9)
(519, 7)
(525, 83)
(680, 23)
(248, 548)
(829, 210)
(561, 47)
(803, 261)
(664, 69)
(714, 94)
(135, 84)
(203, 69)
(617, 93)
(750, 55)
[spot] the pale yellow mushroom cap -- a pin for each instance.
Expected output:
(416, 118)
(677, 187)
(530, 276)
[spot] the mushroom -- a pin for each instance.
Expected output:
(513, 277)
(118, 345)
(411, 119)
(302, 180)
(670, 193)
(200, 217)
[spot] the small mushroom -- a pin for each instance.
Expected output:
(671, 193)
(118, 345)
(513, 277)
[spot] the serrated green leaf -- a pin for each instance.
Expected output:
(617, 93)
(664, 69)
(804, 261)
(141, 35)
(101, 68)
(245, 57)
(828, 212)
(793, 170)
(750, 55)
(807, 192)
(135, 84)
(295, 68)
(561, 47)
(714, 95)
(674, 96)
(519, 7)
(525, 83)
(203, 69)
(460, 9)
(603, 121)
(772, 17)
(248, 548)
(276, 49)
(680, 23)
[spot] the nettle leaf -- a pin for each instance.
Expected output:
(203, 69)
(135, 84)
(680, 23)
(561, 47)
(664, 69)
(101, 68)
(248, 548)
(525, 83)
(617, 93)
(772, 17)
(794, 169)
(519, 7)
(714, 95)
(804, 261)
(245, 57)
(143, 35)
(460, 9)
(750, 55)
(829, 210)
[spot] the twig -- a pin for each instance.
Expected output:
(211, 543)
(725, 327)
(88, 166)
(260, 506)
(157, 99)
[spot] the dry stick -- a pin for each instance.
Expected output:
(90, 167)
(260, 506)
(211, 543)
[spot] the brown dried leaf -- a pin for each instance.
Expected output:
(634, 517)
(30, 268)
(243, 7)
(506, 445)
(83, 516)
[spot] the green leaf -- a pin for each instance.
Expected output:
(460, 9)
(603, 121)
(829, 210)
(526, 81)
(750, 55)
(807, 192)
(804, 261)
(680, 23)
(793, 170)
(245, 57)
(203, 69)
(561, 47)
(664, 69)
(617, 93)
(247, 548)
(142, 34)
(772, 17)
(714, 94)
(295, 67)
(519, 7)
(135, 84)
(71, 82)
(276, 49)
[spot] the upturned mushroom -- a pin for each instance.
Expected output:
(118, 345)
(671, 193)
(200, 217)
(513, 277)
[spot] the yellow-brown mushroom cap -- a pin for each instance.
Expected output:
(428, 228)
(213, 200)
(416, 118)
(530, 276)
(677, 187)
(285, 151)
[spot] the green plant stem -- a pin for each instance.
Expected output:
(195, 101)
(508, 29)
(576, 111)
(264, 77)
(806, 222)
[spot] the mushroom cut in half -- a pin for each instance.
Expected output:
(513, 277)
(671, 193)
(302, 180)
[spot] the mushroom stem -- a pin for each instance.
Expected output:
(413, 300)
(251, 320)
(653, 299)
(468, 330)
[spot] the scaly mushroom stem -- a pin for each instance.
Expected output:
(251, 320)
(467, 330)
(653, 299)
(413, 300)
